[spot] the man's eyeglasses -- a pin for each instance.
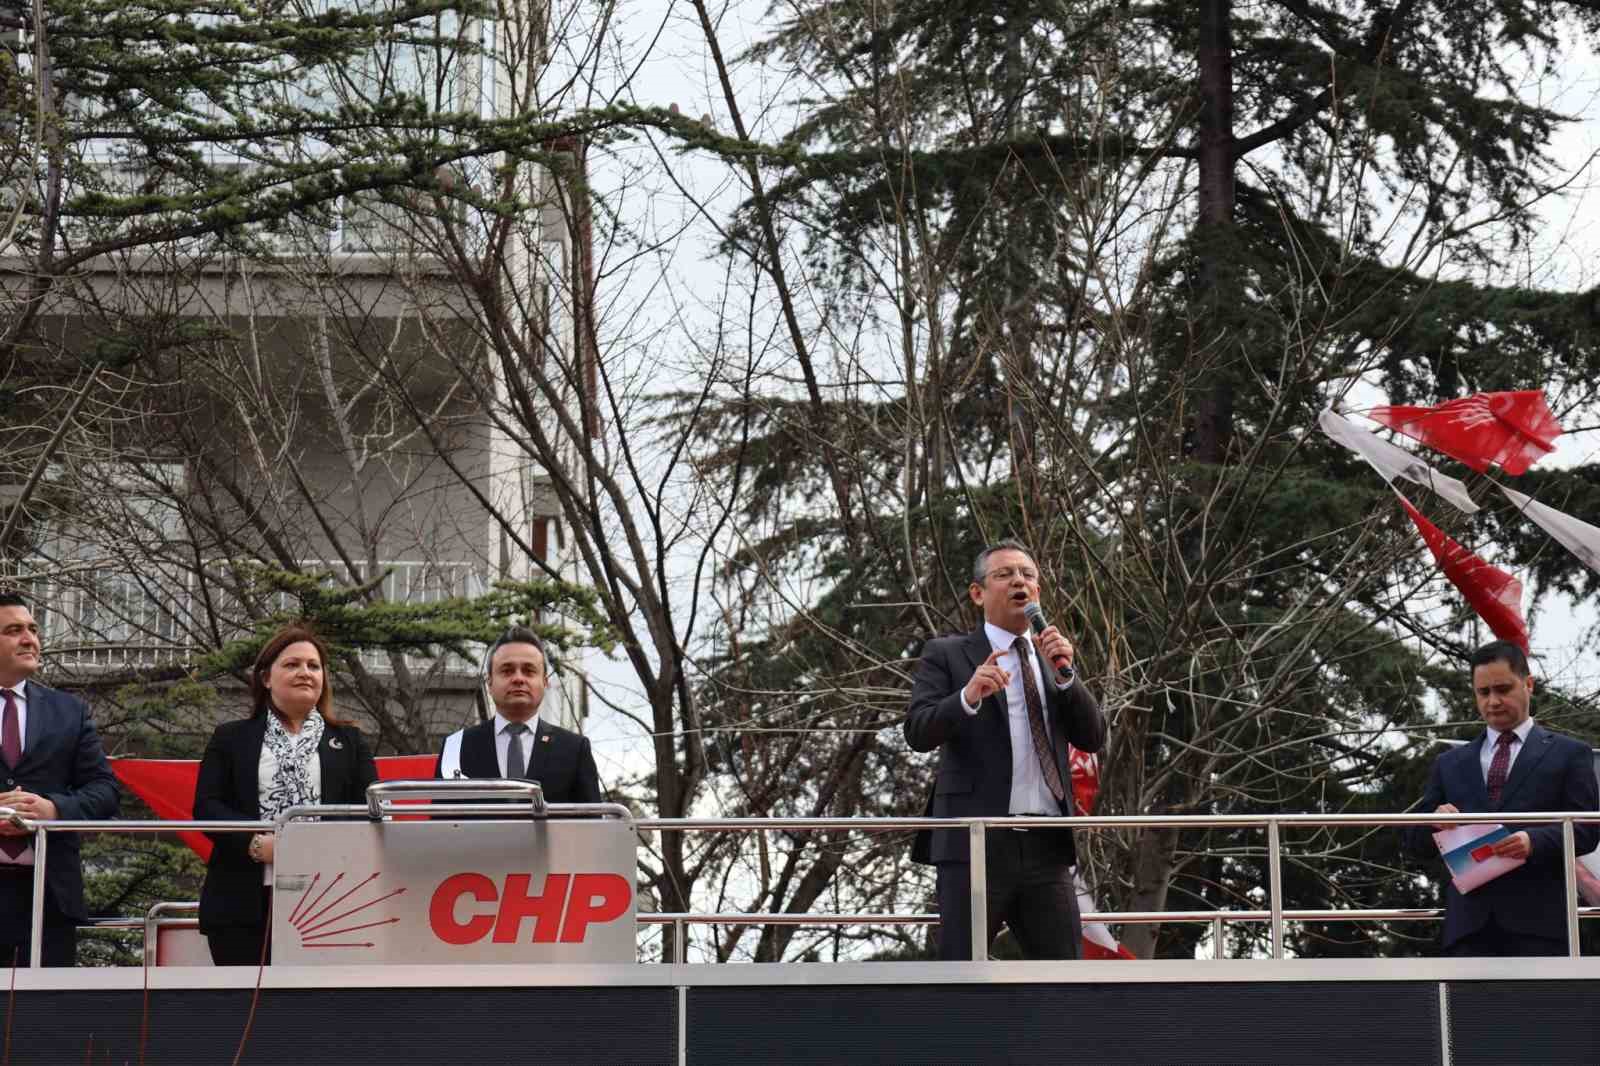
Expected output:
(1006, 573)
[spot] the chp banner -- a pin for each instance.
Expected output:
(515, 891)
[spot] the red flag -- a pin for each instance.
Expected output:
(167, 786)
(1512, 430)
(1493, 593)
(1098, 943)
(1085, 778)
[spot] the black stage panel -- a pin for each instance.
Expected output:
(350, 1026)
(1551, 1023)
(1277, 1024)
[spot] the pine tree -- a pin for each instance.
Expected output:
(1110, 260)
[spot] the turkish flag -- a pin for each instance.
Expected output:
(1512, 430)
(167, 786)
(1494, 594)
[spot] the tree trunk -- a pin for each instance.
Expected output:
(1213, 420)
(1152, 873)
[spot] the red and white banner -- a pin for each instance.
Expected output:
(1511, 430)
(1393, 461)
(1098, 943)
(519, 890)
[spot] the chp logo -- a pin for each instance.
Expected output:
(468, 907)
(312, 920)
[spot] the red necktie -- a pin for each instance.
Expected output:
(1041, 742)
(1500, 766)
(11, 751)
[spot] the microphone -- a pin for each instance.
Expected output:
(1064, 671)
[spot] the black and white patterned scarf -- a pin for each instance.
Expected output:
(293, 752)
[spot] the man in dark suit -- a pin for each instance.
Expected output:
(51, 766)
(514, 743)
(1515, 765)
(994, 706)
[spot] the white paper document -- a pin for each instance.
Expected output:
(1469, 852)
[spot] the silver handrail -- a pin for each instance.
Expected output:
(380, 792)
(977, 827)
(154, 917)
(1276, 913)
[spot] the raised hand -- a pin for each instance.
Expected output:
(990, 678)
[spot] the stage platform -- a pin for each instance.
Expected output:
(1250, 1011)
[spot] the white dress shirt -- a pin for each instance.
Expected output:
(1490, 742)
(1029, 793)
(502, 741)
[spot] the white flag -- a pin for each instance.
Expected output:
(1098, 943)
(1579, 538)
(1393, 461)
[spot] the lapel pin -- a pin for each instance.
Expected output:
(545, 739)
(335, 743)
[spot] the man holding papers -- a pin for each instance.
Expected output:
(1514, 897)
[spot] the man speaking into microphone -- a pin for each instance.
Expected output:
(1002, 707)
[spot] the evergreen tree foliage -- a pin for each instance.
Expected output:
(1109, 261)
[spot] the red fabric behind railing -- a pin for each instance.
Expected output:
(167, 785)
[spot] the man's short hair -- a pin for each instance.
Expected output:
(1500, 651)
(12, 599)
(517, 635)
(980, 565)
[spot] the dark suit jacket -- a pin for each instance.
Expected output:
(62, 760)
(1552, 773)
(974, 774)
(559, 759)
(229, 788)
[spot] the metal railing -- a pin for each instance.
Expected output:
(1275, 913)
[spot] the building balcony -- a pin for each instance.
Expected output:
(99, 619)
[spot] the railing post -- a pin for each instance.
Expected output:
(1275, 886)
(1569, 867)
(36, 920)
(978, 890)
(680, 946)
(152, 934)
(1219, 947)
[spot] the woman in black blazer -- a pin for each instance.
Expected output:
(290, 751)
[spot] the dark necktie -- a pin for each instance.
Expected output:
(516, 761)
(1500, 766)
(1041, 742)
(11, 750)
